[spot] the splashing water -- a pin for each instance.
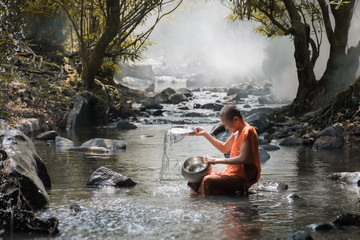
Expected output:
(173, 135)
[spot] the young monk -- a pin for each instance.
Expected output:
(243, 166)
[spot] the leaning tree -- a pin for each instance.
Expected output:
(109, 29)
(306, 21)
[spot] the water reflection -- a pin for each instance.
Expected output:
(242, 222)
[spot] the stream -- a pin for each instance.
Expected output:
(165, 210)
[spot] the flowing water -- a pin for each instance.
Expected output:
(156, 209)
(173, 135)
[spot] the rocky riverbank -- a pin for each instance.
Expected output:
(51, 100)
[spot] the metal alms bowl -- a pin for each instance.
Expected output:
(194, 169)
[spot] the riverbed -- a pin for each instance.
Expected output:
(156, 209)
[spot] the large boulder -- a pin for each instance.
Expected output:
(164, 95)
(21, 162)
(30, 126)
(259, 121)
(177, 98)
(104, 177)
(329, 138)
(82, 113)
(327, 143)
(187, 92)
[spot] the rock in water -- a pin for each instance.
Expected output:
(327, 143)
(50, 135)
(346, 177)
(23, 163)
(291, 141)
(81, 115)
(347, 219)
(330, 138)
(63, 144)
(300, 235)
(104, 177)
(263, 155)
(125, 125)
(110, 144)
(23, 180)
(273, 186)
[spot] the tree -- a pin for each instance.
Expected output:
(106, 29)
(306, 21)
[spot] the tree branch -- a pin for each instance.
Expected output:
(326, 17)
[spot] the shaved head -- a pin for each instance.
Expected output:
(229, 111)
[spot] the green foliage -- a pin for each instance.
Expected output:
(90, 28)
(273, 16)
(46, 30)
(338, 3)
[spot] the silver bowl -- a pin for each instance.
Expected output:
(194, 169)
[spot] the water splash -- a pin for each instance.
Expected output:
(173, 135)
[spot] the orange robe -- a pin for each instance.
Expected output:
(234, 177)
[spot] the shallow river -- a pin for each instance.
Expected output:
(165, 210)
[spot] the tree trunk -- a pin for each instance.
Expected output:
(92, 65)
(341, 66)
(305, 68)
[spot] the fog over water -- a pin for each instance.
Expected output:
(198, 38)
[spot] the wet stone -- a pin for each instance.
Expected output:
(291, 141)
(177, 98)
(104, 177)
(110, 144)
(327, 143)
(300, 235)
(270, 147)
(347, 219)
(323, 227)
(263, 155)
(273, 186)
(125, 125)
(50, 135)
(63, 144)
(212, 106)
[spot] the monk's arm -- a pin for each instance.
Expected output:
(242, 158)
(223, 147)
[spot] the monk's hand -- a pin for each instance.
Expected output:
(209, 160)
(198, 131)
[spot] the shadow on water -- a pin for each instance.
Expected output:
(165, 210)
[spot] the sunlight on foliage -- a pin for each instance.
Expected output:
(338, 3)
